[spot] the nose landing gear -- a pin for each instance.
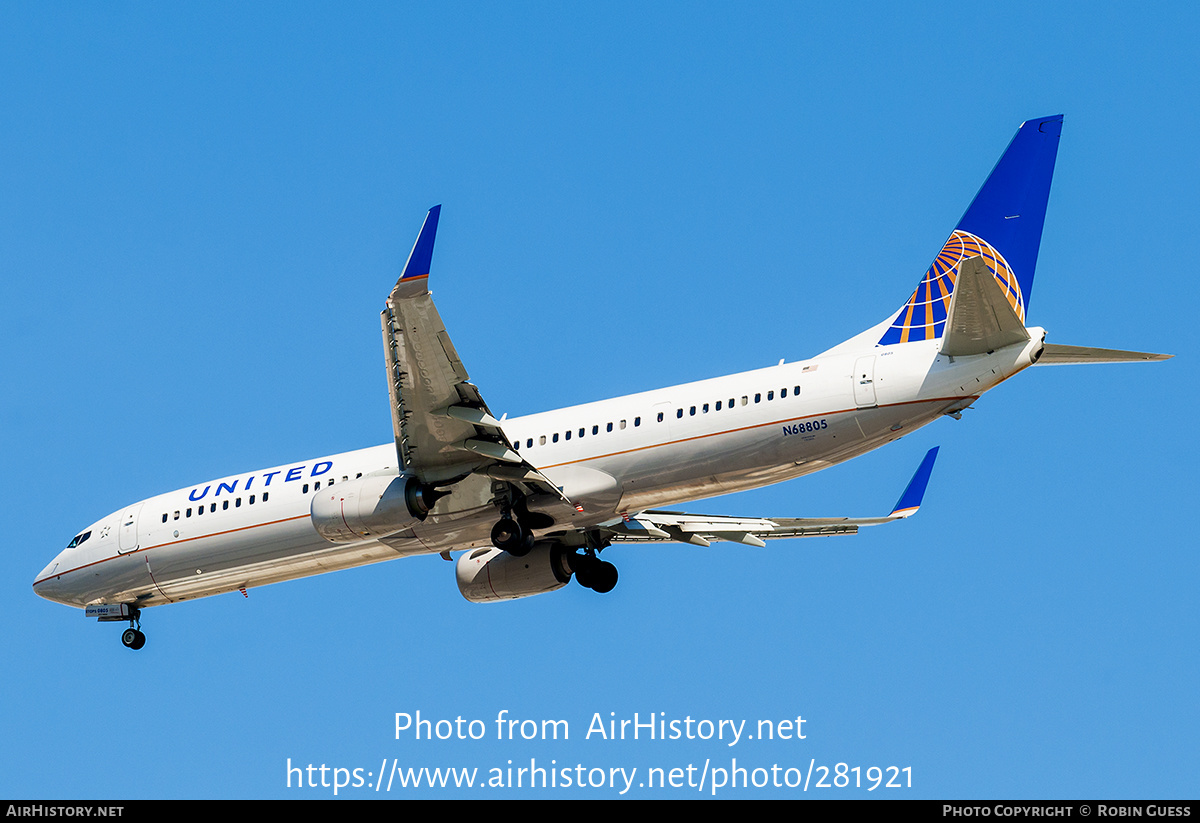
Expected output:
(133, 638)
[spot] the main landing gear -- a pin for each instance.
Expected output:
(510, 536)
(593, 573)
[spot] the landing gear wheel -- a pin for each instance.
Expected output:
(593, 573)
(133, 639)
(508, 536)
(604, 578)
(585, 569)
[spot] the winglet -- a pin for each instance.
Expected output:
(910, 501)
(421, 256)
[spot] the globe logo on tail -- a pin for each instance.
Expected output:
(924, 315)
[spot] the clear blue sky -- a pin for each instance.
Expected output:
(204, 206)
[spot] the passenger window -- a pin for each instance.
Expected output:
(529, 443)
(237, 503)
(189, 511)
(164, 520)
(731, 402)
(782, 393)
(177, 515)
(212, 508)
(568, 434)
(706, 408)
(305, 491)
(267, 493)
(797, 391)
(595, 429)
(610, 426)
(757, 398)
(660, 417)
(581, 431)
(317, 485)
(225, 505)
(771, 395)
(637, 421)
(199, 511)
(679, 412)
(692, 411)
(745, 400)
(622, 425)
(542, 440)
(555, 438)
(718, 405)
(251, 500)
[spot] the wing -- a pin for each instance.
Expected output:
(443, 428)
(701, 529)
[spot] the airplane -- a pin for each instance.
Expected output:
(533, 501)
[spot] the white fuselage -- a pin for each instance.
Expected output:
(612, 457)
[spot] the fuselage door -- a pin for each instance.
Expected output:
(864, 382)
(662, 416)
(127, 540)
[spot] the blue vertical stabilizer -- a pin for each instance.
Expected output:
(1003, 225)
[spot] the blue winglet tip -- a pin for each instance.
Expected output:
(914, 492)
(421, 256)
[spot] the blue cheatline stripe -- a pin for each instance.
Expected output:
(915, 490)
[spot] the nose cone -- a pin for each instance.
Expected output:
(51, 585)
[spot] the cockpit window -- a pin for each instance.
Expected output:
(79, 538)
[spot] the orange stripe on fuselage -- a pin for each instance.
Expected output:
(748, 428)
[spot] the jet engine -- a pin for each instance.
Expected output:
(371, 507)
(491, 575)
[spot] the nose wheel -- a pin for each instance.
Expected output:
(133, 638)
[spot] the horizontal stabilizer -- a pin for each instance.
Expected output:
(1054, 355)
(980, 319)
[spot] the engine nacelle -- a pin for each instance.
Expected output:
(491, 575)
(370, 507)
